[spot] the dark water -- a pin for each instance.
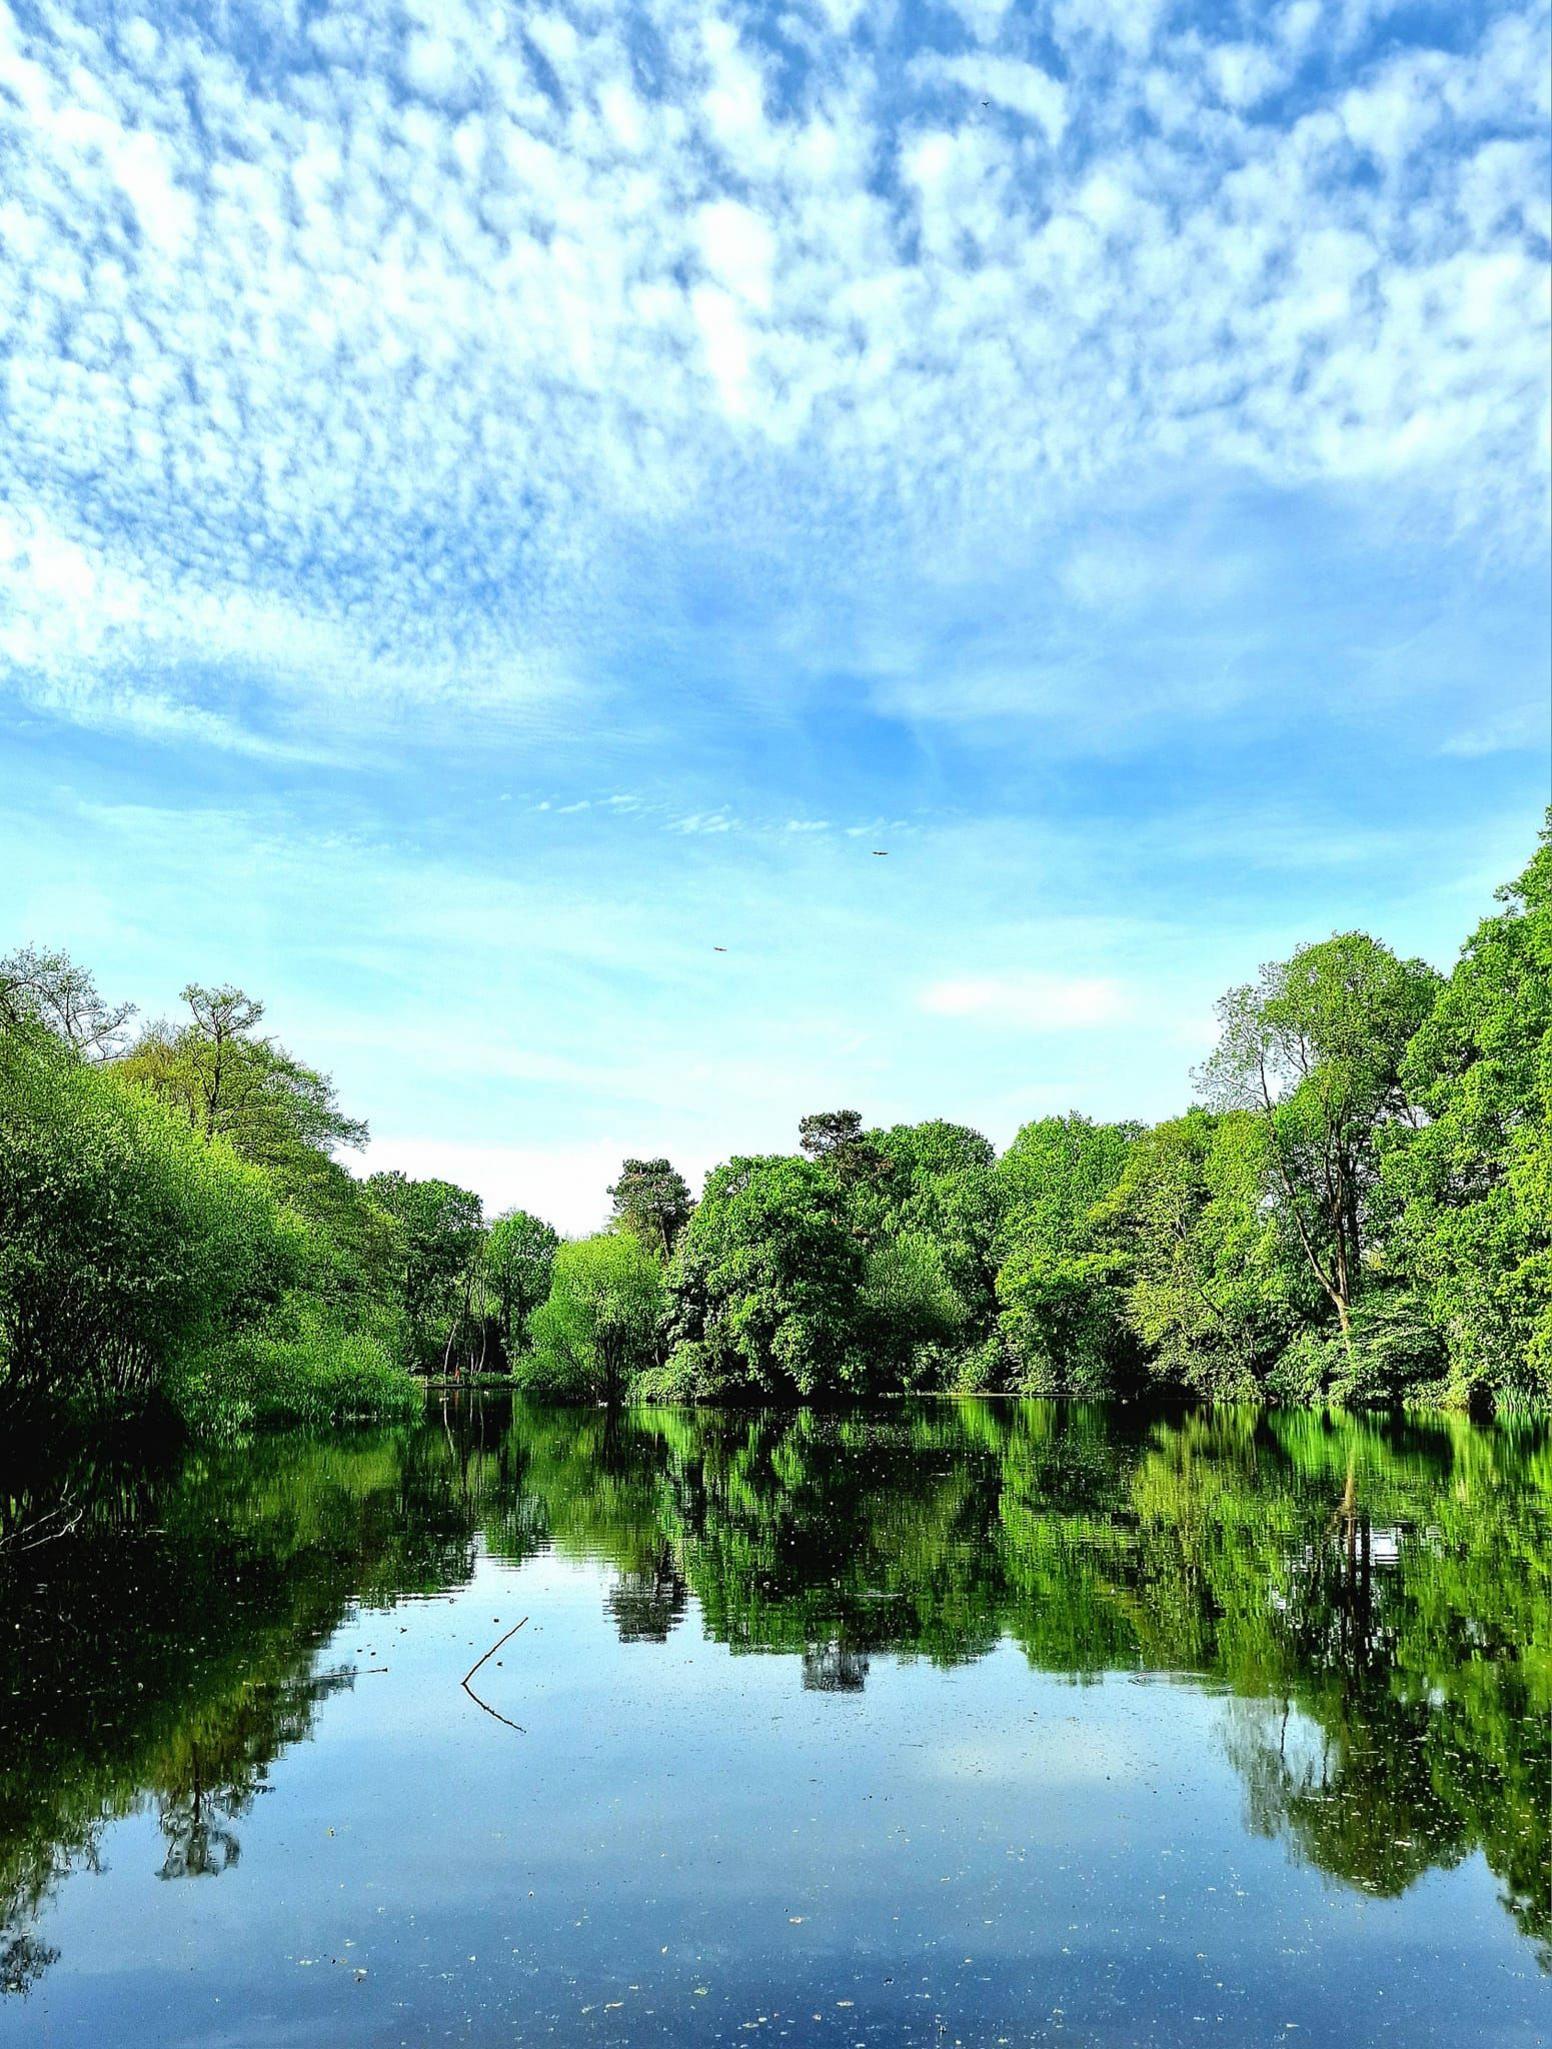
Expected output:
(952, 1725)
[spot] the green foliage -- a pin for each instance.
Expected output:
(1208, 1281)
(1052, 1176)
(1062, 1324)
(914, 1315)
(126, 1242)
(836, 1139)
(271, 1108)
(1470, 1192)
(767, 1288)
(220, 1262)
(940, 1182)
(652, 1199)
(44, 989)
(1314, 1051)
(302, 1366)
(596, 1334)
(437, 1242)
(1362, 1214)
(1062, 1320)
(519, 1261)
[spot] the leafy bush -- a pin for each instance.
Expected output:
(305, 1369)
(126, 1242)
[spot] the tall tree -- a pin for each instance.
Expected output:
(1208, 1287)
(836, 1139)
(439, 1233)
(232, 1082)
(44, 986)
(766, 1287)
(597, 1331)
(519, 1262)
(941, 1182)
(1062, 1320)
(652, 1199)
(1470, 1192)
(1314, 1051)
(126, 1243)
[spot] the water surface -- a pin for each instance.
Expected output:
(952, 1724)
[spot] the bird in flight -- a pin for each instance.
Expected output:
(719, 949)
(881, 853)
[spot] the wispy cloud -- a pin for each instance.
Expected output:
(1050, 1003)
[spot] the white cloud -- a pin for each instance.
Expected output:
(1046, 1003)
(362, 367)
(1522, 728)
(564, 1184)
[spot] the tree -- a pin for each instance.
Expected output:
(231, 1083)
(1208, 1286)
(596, 1333)
(939, 1186)
(766, 1286)
(439, 1234)
(126, 1243)
(1314, 1052)
(43, 986)
(1059, 1290)
(653, 1200)
(836, 1139)
(519, 1260)
(914, 1310)
(1469, 1194)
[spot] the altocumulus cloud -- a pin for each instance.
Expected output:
(350, 355)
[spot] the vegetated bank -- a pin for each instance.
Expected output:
(1357, 1209)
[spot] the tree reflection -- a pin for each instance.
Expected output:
(1371, 1597)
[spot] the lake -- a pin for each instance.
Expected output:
(940, 1724)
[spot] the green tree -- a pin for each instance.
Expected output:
(1059, 1289)
(1209, 1288)
(941, 1181)
(1313, 1051)
(1470, 1192)
(652, 1199)
(438, 1239)
(766, 1287)
(596, 1333)
(43, 986)
(232, 1083)
(126, 1243)
(914, 1312)
(519, 1262)
(836, 1139)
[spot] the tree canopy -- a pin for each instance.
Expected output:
(1360, 1210)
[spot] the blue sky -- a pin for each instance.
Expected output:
(498, 502)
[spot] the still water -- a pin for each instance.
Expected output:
(968, 1724)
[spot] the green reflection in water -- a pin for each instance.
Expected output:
(1374, 1598)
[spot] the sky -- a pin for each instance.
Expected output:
(498, 503)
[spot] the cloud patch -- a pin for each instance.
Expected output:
(1032, 1002)
(363, 347)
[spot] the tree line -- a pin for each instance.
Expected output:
(1357, 1208)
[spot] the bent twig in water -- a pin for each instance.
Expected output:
(485, 1704)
